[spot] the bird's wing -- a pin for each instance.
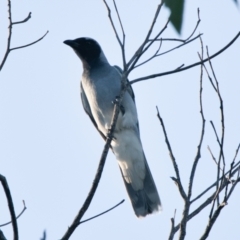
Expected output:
(88, 110)
(130, 90)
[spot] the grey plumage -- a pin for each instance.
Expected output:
(100, 85)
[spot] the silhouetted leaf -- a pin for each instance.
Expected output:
(176, 8)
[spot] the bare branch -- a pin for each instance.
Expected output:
(209, 77)
(214, 184)
(198, 22)
(214, 129)
(24, 20)
(183, 224)
(154, 55)
(212, 221)
(9, 36)
(171, 236)
(181, 45)
(230, 181)
(221, 110)
(113, 26)
(203, 205)
(178, 180)
(187, 67)
(184, 41)
(141, 50)
(10, 206)
(119, 19)
(221, 155)
(44, 236)
(234, 185)
(198, 155)
(123, 36)
(214, 159)
(27, 45)
(237, 150)
(9, 49)
(19, 215)
(100, 214)
(122, 44)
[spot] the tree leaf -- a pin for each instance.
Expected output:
(176, 7)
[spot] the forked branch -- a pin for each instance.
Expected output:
(10, 26)
(189, 66)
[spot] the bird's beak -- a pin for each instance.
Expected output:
(70, 43)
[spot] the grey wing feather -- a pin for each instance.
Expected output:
(88, 110)
(130, 90)
(146, 200)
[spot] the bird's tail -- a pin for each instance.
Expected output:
(146, 200)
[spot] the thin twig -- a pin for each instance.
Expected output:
(233, 186)
(215, 131)
(123, 35)
(180, 45)
(168, 40)
(209, 77)
(132, 62)
(236, 153)
(198, 22)
(154, 55)
(113, 26)
(202, 206)
(19, 215)
(9, 49)
(214, 184)
(171, 236)
(214, 159)
(27, 45)
(228, 179)
(221, 154)
(187, 67)
(9, 36)
(146, 47)
(211, 221)
(44, 236)
(100, 214)
(180, 187)
(198, 155)
(183, 224)
(10, 206)
(116, 33)
(184, 41)
(24, 20)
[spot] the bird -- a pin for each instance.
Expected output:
(99, 87)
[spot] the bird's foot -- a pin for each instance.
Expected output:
(109, 134)
(116, 100)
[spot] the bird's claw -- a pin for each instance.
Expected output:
(109, 134)
(116, 100)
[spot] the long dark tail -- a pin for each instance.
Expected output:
(146, 200)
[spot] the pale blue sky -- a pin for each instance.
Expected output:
(49, 149)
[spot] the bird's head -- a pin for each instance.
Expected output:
(88, 50)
